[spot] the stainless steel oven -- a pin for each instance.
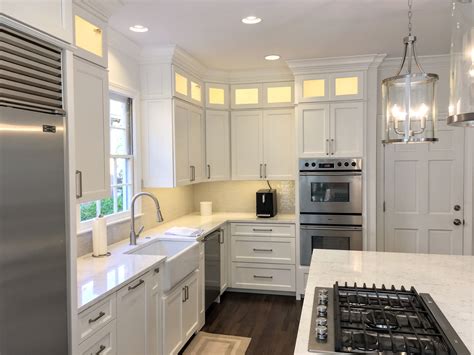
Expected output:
(330, 205)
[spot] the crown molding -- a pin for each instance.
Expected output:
(122, 44)
(426, 60)
(101, 9)
(334, 64)
(249, 76)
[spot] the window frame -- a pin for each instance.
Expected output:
(115, 218)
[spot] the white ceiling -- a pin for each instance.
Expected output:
(212, 32)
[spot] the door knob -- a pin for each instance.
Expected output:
(457, 222)
(457, 208)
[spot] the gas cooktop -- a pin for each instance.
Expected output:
(369, 320)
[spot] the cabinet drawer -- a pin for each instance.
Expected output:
(263, 276)
(263, 229)
(263, 250)
(102, 342)
(96, 317)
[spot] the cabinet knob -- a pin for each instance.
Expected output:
(457, 208)
(457, 222)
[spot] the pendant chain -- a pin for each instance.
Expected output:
(410, 14)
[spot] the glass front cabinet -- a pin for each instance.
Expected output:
(187, 87)
(90, 37)
(267, 95)
(217, 96)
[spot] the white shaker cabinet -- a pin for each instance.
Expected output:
(196, 143)
(263, 144)
(91, 111)
(53, 17)
(224, 241)
(334, 129)
(217, 145)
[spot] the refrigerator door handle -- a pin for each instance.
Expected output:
(78, 184)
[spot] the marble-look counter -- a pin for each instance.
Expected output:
(449, 280)
(99, 277)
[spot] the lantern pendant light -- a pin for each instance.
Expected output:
(461, 102)
(409, 99)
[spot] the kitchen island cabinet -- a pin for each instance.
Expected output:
(448, 279)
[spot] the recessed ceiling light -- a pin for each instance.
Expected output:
(251, 20)
(272, 57)
(138, 28)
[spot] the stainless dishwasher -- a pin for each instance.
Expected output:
(212, 270)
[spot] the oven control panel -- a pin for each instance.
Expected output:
(341, 164)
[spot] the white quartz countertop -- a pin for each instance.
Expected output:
(449, 280)
(99, 277)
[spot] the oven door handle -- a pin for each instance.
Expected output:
(335, 228)
(331, 173)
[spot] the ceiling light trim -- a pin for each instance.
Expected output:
(251, 20)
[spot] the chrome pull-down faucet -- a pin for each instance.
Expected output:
(159, 217)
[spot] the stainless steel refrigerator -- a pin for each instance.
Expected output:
(33, 208)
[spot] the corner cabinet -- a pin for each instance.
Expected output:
(334, 129)
(173, 146)
(186, 87)
(180, 315)
(263, 145)
(91, 116)
(217, 145)
(53, 17)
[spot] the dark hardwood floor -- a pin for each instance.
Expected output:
(271, 321)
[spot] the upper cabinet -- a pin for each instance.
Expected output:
(330, 87)
(217, 145)
(186, 87)
(217, 96)
(53, 17)
(90, 37)
(267, 95)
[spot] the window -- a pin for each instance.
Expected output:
(121, 162)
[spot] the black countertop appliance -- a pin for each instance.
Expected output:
(266, 203)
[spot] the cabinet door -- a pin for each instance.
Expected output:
(246, 96)
(278, 94)
(347, 127)
(91, 107)
(196, 143)
(278, 144)
(201, 288)
(313, 130)
(153, 302)
(53, 17)
(217, 145)
(132, 318)
(190, 307)
(247, 147)
(311, 88)
(224, 260)
(217, 96)
(90, 37)
(347, 86)
(172, 321)
(181, 145)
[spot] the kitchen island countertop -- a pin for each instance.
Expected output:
(449, 280)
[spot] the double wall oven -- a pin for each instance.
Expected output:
(330, 205)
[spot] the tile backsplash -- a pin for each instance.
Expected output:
(226, 196)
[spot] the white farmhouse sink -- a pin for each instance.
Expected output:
(182, 259)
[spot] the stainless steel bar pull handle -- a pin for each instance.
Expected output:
(327, 146)
(262, 277)
(134, 287)
(265, 170)
(262, 229)
(221, 236)
(183, 298)
(78, 184)
(332, 146)
(208, 171)
(187, 292)
(101, 348)
(256, 249)
(261, 175)
(93, 320)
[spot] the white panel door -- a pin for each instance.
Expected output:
(173, 321)
(91, 108)
(247, 147)
(347, 129)
(191, 307)
(196, 143)
(217, 145)
(132, 318)
(181, 144)
(423, 187)
(279, 144)
(313, 127)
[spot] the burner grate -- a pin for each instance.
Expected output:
(371, 319)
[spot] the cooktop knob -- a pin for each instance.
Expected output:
(322, 310)
(346, 164)
(323, 298)
(321, 332)
(313, 165)
(306, 164)
(353, 163)
(321, 321)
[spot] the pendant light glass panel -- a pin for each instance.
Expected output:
(410, 108)
(461, 103)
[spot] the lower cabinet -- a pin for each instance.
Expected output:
(201, 287)
(224, 241)
(102, 342)
(180, 314)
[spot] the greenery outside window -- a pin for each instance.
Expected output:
(121, 163)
